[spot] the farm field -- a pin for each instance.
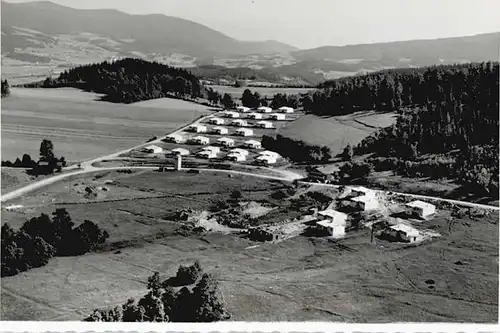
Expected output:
(82, 127)
(336, 132)
(263, 91)
(354, 280)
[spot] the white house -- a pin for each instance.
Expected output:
(244, 132)
(286, 109)
(220, 130)
(264, 124)
(206, 154)
(239, 122)
(236, 157)
(176, 138)
(265, 109)
(365, 203)
(242, 109)
(180, 151)
(216, 121)
(212, 149)
(239, 151)
(201, 140)
(152, 149)
(252, 144)
(231, 114)
(269, 153)
(197, 128)
(404, 232)
(265, 159)
(420, 208)
(254, 115)
(356, 191)
(277, 116)
(228, 142)
(333, 222)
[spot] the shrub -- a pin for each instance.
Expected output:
(188, 274)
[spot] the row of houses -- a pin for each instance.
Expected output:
(239, 155)
(236, 122)
(253, 115)
(265, 109)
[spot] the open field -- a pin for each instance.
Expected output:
(336, 132)
(303, 278)
(81, 127)
(263, 91)
(13, 178)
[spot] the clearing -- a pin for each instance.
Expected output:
(82, 127)
(336, 132)
(453, 278)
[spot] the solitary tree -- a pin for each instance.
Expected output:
(227, 101)
(208, 301)
(46, 150)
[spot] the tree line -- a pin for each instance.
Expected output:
(199, 300)
(130, 80)
(41, 238)
(296, 150)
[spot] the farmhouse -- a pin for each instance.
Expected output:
(265, 109)
(152, 149)
(242, 109)
(200, 140)
(236, 157)
(332, 222)
(206, 154)
(365, 203)
(401, 233)
(265, 159)
(231, 114)
(254, 115)
(197, 128)
(244, 132)
(239, 122)
(176, 138)
(420, 209)
(264, 124)
(212, 149)
(216, 121)
(180, 151)
(286, 109)
(277, 116)
(239, 151)
(252, 144)
(220, 130)
(228, 142)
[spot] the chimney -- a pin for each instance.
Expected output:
(178, 164)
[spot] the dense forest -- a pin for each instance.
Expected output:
(447, 124)
(130, 80)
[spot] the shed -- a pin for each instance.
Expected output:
(176, 138)
(231, 114)
(197, 128)
(244, 132)
(216, 121)
(220, 130)
(180, 151)
(264, 124)
(152, 149)
(402, 233)
(201, 140)
(239, 151)
(236, 157)
(277, 116)
(252, 144)
(286, 109)
(239, 122)
(228, 142)
(265, 109)
(420, 208)
(254, 115)
(242, 109)
(365, 203)
(334, 229)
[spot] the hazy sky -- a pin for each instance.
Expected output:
(312, 23)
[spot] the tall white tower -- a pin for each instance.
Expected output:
(178, 164)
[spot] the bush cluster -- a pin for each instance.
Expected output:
(296, 150)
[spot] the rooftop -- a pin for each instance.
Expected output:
(332, 213)
(409, 230)
(420, 204)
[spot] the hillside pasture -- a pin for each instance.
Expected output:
(82, 127)
(236, 92)
(336, 132)
(300, 279)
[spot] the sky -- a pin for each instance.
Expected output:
(314, 23)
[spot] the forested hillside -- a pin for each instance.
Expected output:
(130, 80)
(449, 112)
